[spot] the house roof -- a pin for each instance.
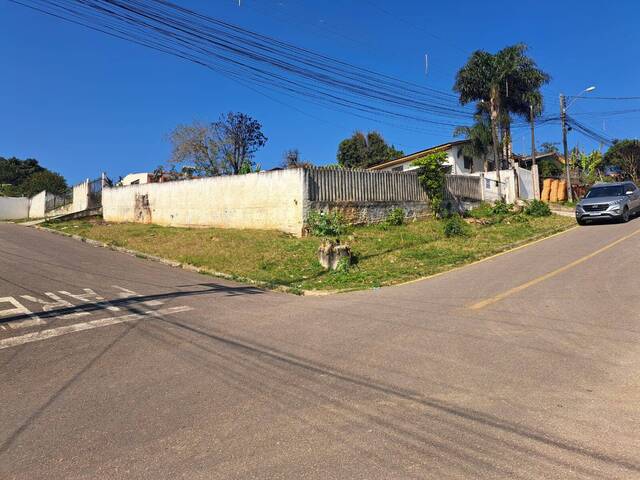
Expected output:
(543, 156)
(418, 154)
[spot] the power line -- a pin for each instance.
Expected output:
(249, 57)
(592, 97)
(588, 132)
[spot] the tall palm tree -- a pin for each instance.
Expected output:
(479, 136)
(503, 81)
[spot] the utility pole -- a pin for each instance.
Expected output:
(533, 151)
(563, 119)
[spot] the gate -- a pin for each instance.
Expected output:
(53, 201)
(95, 193)
(526, 184)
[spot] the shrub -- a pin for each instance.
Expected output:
(326, 224)
(483, 210)
(501, 208)
(536, 208)
(431, 173)
(395, 217)
(455, 226)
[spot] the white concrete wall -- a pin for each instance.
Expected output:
(455, 159)
(37, 204)
(507, 178)
(13, 208)
(80, 201)
(80, 196)
(266, 200)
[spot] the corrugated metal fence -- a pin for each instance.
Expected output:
(337, 185)
(463, 187)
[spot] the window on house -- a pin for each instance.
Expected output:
(468, 162)
(397, 169)
(135, 182)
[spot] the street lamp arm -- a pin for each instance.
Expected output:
(576, 97)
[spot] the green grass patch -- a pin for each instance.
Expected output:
(385, 256)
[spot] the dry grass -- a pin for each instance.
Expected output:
(384, 256)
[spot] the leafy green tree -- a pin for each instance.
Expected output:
(28, 177)
(503, 83)
(588, 165)
(431, 173)
(15, 171)
(479, 136)
(364, 151)
(626, 155)
(44, 180)
(549, 168)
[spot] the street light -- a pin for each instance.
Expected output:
(563, 118)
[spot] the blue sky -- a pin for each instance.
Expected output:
(81, 102)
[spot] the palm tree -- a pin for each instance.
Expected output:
(479, 136)
(503, 82)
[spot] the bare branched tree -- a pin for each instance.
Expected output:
(293, 159)
(224, 147)
(196, 145)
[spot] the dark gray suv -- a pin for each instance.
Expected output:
(614, 201)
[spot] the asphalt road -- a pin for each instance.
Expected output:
(525, 366)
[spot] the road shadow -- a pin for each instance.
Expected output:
(128, 302)
(262, 370)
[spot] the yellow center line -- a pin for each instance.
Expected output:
(546, 276)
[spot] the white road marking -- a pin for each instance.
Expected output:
(126, 293)
(90, 297)
(79, 327)
(18, 309)
(58, 302)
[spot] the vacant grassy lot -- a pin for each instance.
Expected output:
(384, 255)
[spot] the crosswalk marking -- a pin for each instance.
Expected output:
(79, 327)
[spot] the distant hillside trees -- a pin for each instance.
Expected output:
(28, 177)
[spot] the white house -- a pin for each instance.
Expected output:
(457, 161)
(136, 178)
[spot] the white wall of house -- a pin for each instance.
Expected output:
(135, 178)
(14, 208)
(455, 159)
(266, 200)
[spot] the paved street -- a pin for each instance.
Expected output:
(525, 366)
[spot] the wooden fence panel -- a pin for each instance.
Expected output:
(467, 187)
(337, 185)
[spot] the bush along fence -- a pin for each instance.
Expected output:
(276, 200)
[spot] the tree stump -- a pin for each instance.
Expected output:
(330, 254)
